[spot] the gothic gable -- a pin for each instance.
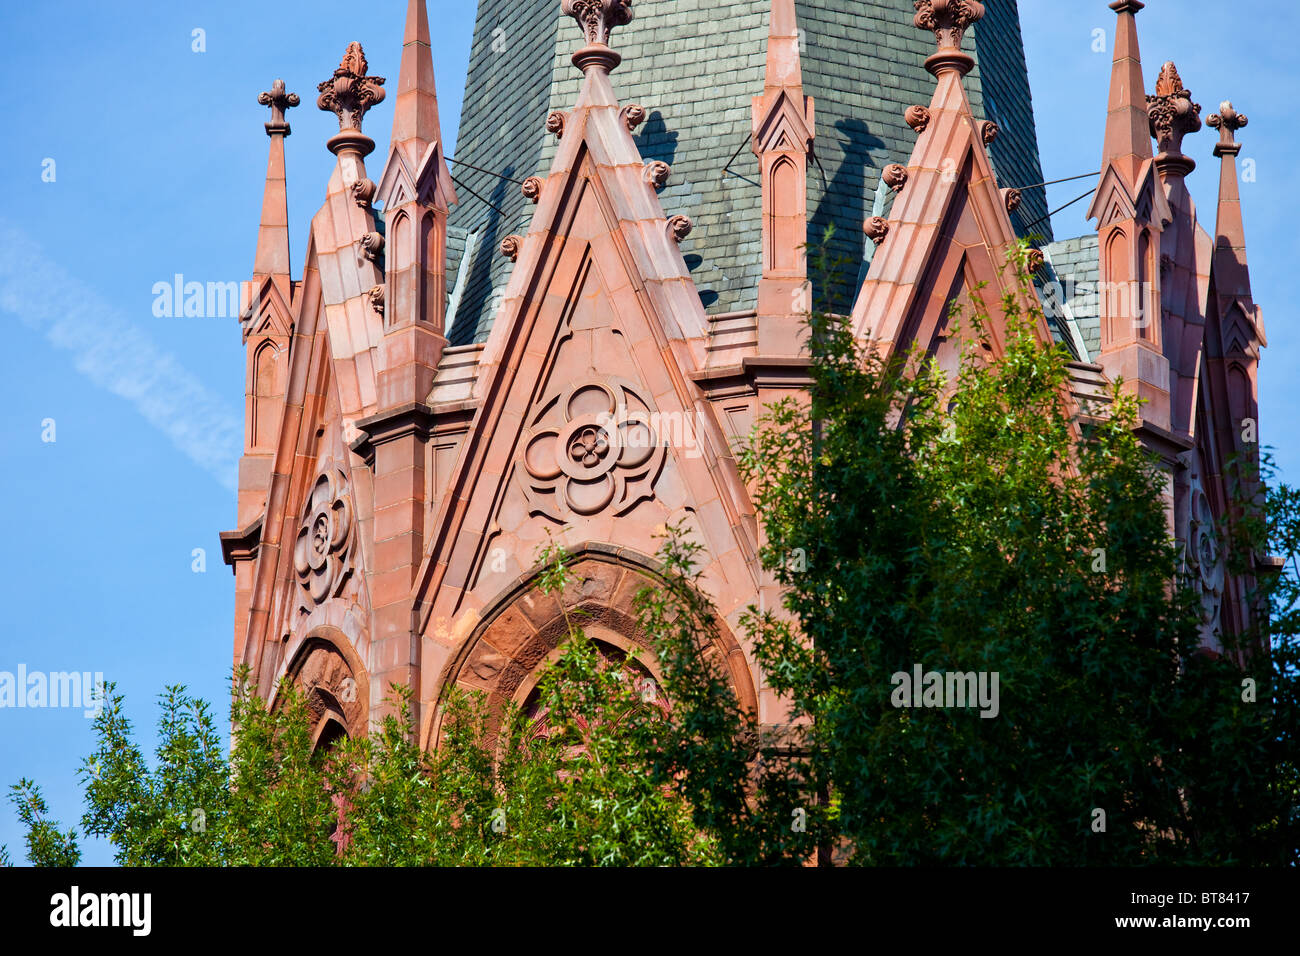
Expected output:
(948, 237)
(588, 427)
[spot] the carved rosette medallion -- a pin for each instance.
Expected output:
(1204, 558)
(322, 553)
(593, 448)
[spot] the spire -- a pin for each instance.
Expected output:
(782, 140)
(1232, 278)
(415, 115)
(1128, 140)
(1173, 115)
(1131, 210)
(783, 69)
(272, 258)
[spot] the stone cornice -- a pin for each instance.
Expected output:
(241, 545)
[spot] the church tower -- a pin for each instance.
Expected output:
(690, 72)
(560, 334)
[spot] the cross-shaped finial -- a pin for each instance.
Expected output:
(350, 92)
(279, 101)
(948, 20)
(1227, 121)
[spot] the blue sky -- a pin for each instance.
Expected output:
(159, 156)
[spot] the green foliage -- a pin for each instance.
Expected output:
(963, 525)
(573, 785)
(971, 526)
(47, 845)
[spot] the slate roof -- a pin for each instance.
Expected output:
(695, 67)
(1074, 263)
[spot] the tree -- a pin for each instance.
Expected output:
(969, 532)
(575, 786)
(973, 527)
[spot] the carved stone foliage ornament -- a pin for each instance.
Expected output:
(323, 551)
(363, 192)
(555, 124)
(948, 20)
(532, 189)
(656, 173)
(598, 17)
(592, 448)
(895, 176)
(349, 93)
(633, 115)
(1172, 112)
(917, 117)
(679, 227)
(372, 244)
(876, 228)
(989, 132)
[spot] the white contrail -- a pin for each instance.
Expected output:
(116, 355)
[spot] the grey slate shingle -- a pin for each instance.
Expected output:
(862, 64)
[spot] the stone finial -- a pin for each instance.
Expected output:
(598, 18)
(279, 100)
(1173, 115)
(917, 117)
(1227, 121)
(948, 20)
(350, 92)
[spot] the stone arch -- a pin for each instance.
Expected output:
(337, 688)
(521, 629)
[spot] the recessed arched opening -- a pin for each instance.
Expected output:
(334, 686)
(1118, 305)
(617, 654)
(522, 629)
(268, 387)
(785, 199)
(1148, 305)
